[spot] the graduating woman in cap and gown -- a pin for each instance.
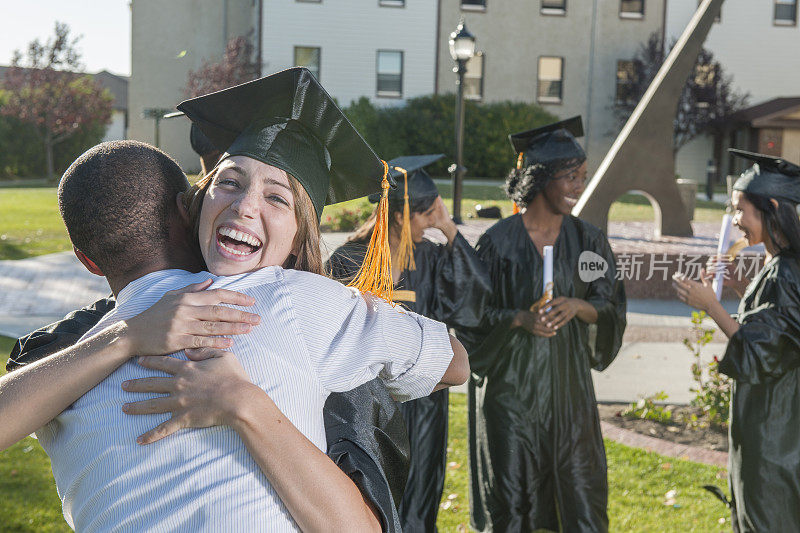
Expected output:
(297, 135)
(446, 282)
(537, 459)
(364, 428)
(763, 352)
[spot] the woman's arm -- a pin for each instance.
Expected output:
(457, 372)
(36, 393)
(213, 390)
(319, 496)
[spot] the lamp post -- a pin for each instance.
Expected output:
(462, 48)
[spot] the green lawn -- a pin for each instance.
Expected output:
(30, 224)
(639, 481)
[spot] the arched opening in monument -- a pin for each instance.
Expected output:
(636, 214)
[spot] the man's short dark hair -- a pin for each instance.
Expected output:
(118, 203)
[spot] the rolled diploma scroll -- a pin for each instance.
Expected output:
(547, 278)
(722, 248)
(547, 281)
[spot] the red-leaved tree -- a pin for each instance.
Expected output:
(46, 89)
(237, 66)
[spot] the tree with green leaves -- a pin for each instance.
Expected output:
(707, 102)
(47, 89)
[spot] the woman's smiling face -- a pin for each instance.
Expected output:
(747, 218)
(566, 187)
(248, 217)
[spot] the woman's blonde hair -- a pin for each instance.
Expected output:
(306, 241)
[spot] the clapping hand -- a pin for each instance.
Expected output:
(697, 294)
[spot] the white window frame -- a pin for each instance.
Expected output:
(388, 94)
(318, 73)
(549, 99)
(553, 11)
(631, 14)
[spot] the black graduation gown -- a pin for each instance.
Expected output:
(763, 358)
(364, 429)
(451, 286)
(536, 451)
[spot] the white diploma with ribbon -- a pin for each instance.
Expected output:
(722, 248)
(547, 278)
(547, 281)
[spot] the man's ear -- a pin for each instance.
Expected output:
(774, 202)
(184, 213)
(398, 218)
(88, 263)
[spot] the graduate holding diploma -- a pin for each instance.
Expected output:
(537, 459)
(763, 352)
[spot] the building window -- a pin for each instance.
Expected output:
(785, 12)
(626, 82)
(554, 7)
(473, 5)
(551, 78)
(309, 57)
(392, 3)
(473, 78)
(631, 9)
(390, 73)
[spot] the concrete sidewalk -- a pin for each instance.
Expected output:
(37, 291)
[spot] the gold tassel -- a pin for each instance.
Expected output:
(375, 274)
(405, 253)
(515, 210)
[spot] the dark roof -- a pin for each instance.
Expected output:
(770, 114)
(116, 85)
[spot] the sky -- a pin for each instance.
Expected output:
(105, 27)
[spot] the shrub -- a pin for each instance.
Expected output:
(712, 390)
(425, 125)
(647, 409)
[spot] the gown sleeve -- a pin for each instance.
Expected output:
(460, 283)
(607, 296)
(58, 335)
(767, 343)
(484, 341)
(368, 441)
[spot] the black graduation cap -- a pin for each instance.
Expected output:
(289, 121)
(200, 143)
(771, 177)
(551, 143)
(420, 185)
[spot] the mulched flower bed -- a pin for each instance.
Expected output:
(709, 438)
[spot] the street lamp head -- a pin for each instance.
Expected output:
(462, 43)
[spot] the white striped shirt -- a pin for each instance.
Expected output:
(315, 337)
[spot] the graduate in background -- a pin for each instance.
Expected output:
(537, 459)
(446, 282)
(763, 353)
